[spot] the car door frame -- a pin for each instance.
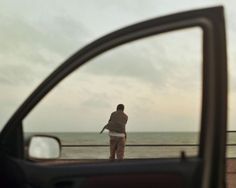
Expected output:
(214, 91)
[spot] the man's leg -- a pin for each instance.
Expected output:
(113, 146)
(120, 149)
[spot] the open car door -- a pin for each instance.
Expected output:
(206, 170)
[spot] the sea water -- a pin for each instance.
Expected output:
(133, 138)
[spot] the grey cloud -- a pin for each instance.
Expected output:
(126, 64)
(27, 46)
(63, 34)
(152, 64)
(60, 35)
(16, 74)
(96, 102)
(5, 81)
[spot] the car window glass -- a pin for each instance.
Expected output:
(157, 78)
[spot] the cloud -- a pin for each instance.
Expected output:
(126, 65)
(31, 50)
(154, 60)
(96, 102)
(16, 74)
(60, 35)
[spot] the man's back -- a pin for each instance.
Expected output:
(117, 121)
(119, 117)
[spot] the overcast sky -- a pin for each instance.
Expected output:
(36, 36)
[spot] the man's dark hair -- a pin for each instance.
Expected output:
(120, 107)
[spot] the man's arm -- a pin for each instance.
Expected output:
(103, 129)
(105, 125)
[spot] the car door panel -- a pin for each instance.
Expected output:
(128, 173)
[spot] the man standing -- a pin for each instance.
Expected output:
(117, 132)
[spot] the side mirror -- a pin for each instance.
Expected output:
(44, 147)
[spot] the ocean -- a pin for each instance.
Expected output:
(133, 138)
